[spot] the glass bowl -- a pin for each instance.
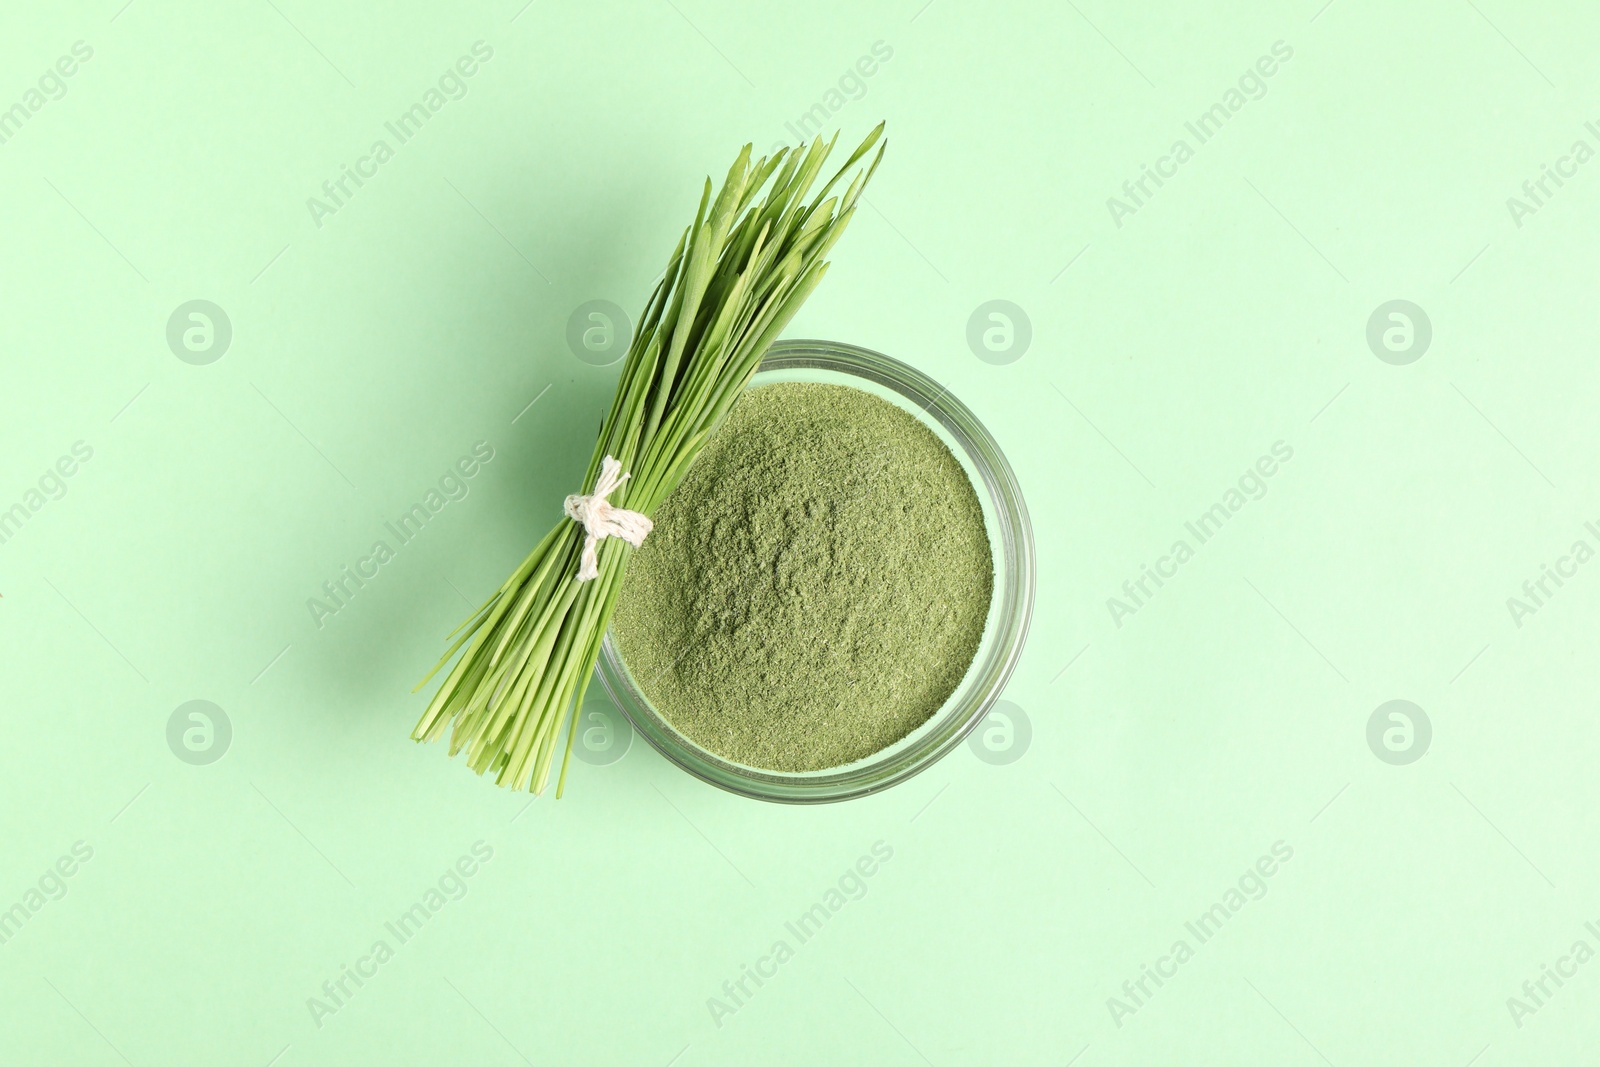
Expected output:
(1010, 608)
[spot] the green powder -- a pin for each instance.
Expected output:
(815, 588)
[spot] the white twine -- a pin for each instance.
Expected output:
(600, 520)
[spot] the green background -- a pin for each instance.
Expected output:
(1165, 755)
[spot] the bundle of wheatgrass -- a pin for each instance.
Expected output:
(737, 277)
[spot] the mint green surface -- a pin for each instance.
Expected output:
(1172, 743)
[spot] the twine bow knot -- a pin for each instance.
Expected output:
(600, 520)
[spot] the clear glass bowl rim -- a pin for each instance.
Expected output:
(1014, 577)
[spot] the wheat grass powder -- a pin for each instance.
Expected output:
(815, 588)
